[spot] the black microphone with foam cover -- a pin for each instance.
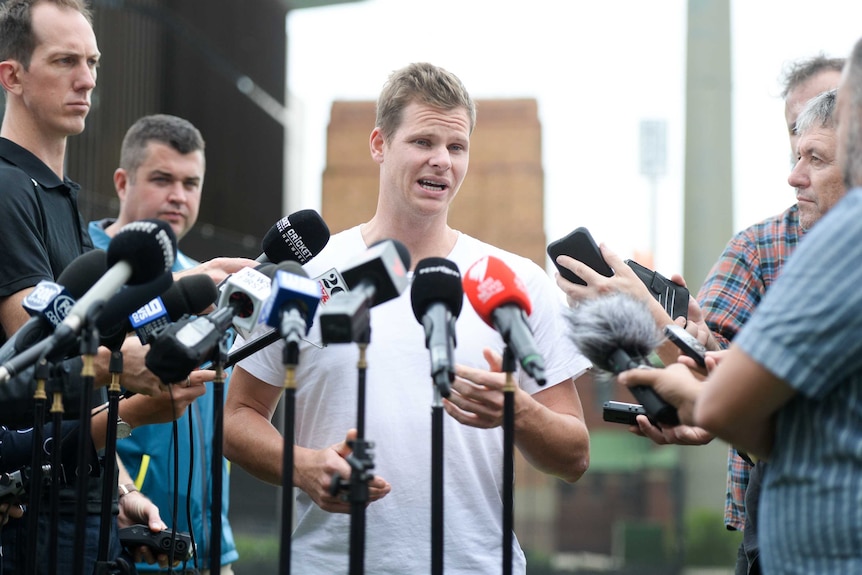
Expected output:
(149, 247)
(437, 297)
(113, 320)
(297, 237)
(77, 278)
(192, 294)
(616, 333)
(188, 295)
(139, 253)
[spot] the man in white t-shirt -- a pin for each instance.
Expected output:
(421, 142)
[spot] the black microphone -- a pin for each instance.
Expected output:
(379, 276)
(617, 332)
(76, 278)
(139, 252)
(297, 237)
(437, 297)
(188, 295)
(332, 282)
(184, 345)
(148, 307)
(113, 319)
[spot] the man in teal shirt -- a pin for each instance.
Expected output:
(160, 176)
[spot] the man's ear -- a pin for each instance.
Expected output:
(376, 144)
(121, 180)
(10, 76)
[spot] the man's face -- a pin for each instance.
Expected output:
(57, 86)
(424, 162)
(817, 175)
(799, 96)
(166, 186)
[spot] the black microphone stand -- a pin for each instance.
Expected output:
(219, 358)
(291, 360)
(110, 466)
(57, 411)
(361, 463)
(39, 399)
(89, 349)
(437, 479)
(509, 364)
(253, 347)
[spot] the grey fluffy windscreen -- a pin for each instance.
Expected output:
(600, 326)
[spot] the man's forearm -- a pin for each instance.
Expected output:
(254, 444)
(553, 442)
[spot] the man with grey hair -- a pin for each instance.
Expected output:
(790, 388)
(754, 258)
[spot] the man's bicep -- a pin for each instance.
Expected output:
(246, 391)
(563, 397)
(740, 399)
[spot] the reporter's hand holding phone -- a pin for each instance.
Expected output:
(624, 279)
(679, 386)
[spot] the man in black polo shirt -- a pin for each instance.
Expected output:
(48, 62)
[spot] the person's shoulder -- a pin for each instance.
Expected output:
(853, 197)
(338, 251)
(14, 178)
(790, 215)
(182, 261)
(17, 188)
(16, 165)
(349, 239)
(783, 225)
(471, 249)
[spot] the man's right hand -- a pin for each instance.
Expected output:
(675, 435)
(136, 377)
(218, 268)
(169, 404)
(314, 470)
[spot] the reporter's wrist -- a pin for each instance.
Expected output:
(128, 412)
(125, 489)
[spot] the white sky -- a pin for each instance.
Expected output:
(596, 69)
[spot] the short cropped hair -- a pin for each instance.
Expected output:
(423, 83)
(800, 71)
(17, 40)
(172, 131)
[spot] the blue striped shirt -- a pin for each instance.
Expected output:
(808, 332)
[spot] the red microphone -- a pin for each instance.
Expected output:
(500, 298)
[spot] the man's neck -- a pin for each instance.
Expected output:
(423, 239)
(51, 150)
(112, 228)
